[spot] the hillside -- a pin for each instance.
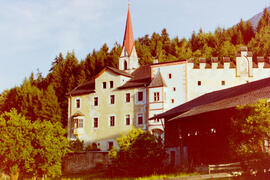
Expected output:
(256, 18)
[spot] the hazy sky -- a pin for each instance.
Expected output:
(34, 32)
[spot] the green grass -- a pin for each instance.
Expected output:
(100, 176)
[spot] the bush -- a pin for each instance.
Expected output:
(92, 147)
(76, 145)
(140, 153)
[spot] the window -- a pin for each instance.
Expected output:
(156, 96)
(199, 83)
(140, 119)
(104, 85)
(110, 144)
(127, 97)
(112, 99)
(127, 119)
(140, 96)
(170, 76)
(223, 83)
(78, 103)
(172, 100)
(125, 65)
(95, 101)
(78, 123)
(112, 121)
(95, 122)
(174, 88)
(111, 84)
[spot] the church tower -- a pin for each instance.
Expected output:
(128, 60)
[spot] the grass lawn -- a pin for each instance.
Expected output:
(100, 176)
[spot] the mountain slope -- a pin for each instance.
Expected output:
(255, 19)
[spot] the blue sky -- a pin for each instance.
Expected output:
(34, 32)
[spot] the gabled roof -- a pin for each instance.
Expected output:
(128, 41)
(114, 70)
(89, 87)
(84, 88)
(223, 99)
(158, 81)
(141, 78)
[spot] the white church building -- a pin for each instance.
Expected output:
(116, 100)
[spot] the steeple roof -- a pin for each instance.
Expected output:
(128, 42)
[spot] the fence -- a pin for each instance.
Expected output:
(225, 167)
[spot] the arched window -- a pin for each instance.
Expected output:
(125, 65)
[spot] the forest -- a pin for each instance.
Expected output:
(45, 97)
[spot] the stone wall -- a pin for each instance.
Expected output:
(84, 161)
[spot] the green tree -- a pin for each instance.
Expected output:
(140, 153)
(32, 102)
(264, 21)
(260, 45)
(250, 128)
(66, 74)
(31, 148)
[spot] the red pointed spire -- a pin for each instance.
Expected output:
(128, 42)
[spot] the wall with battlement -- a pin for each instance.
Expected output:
(216, 74)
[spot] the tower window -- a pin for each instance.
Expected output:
(111, 84)
(199, 83)
(223, 83)
(172, 100)
(127, 97)
(125, 65)
(170, 76)
(140, 96)
(156, 96)
(104, 85)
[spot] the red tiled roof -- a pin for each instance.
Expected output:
(141, 78)
(223, 99)
(84, 88)
(117, 71)
(128, 42)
